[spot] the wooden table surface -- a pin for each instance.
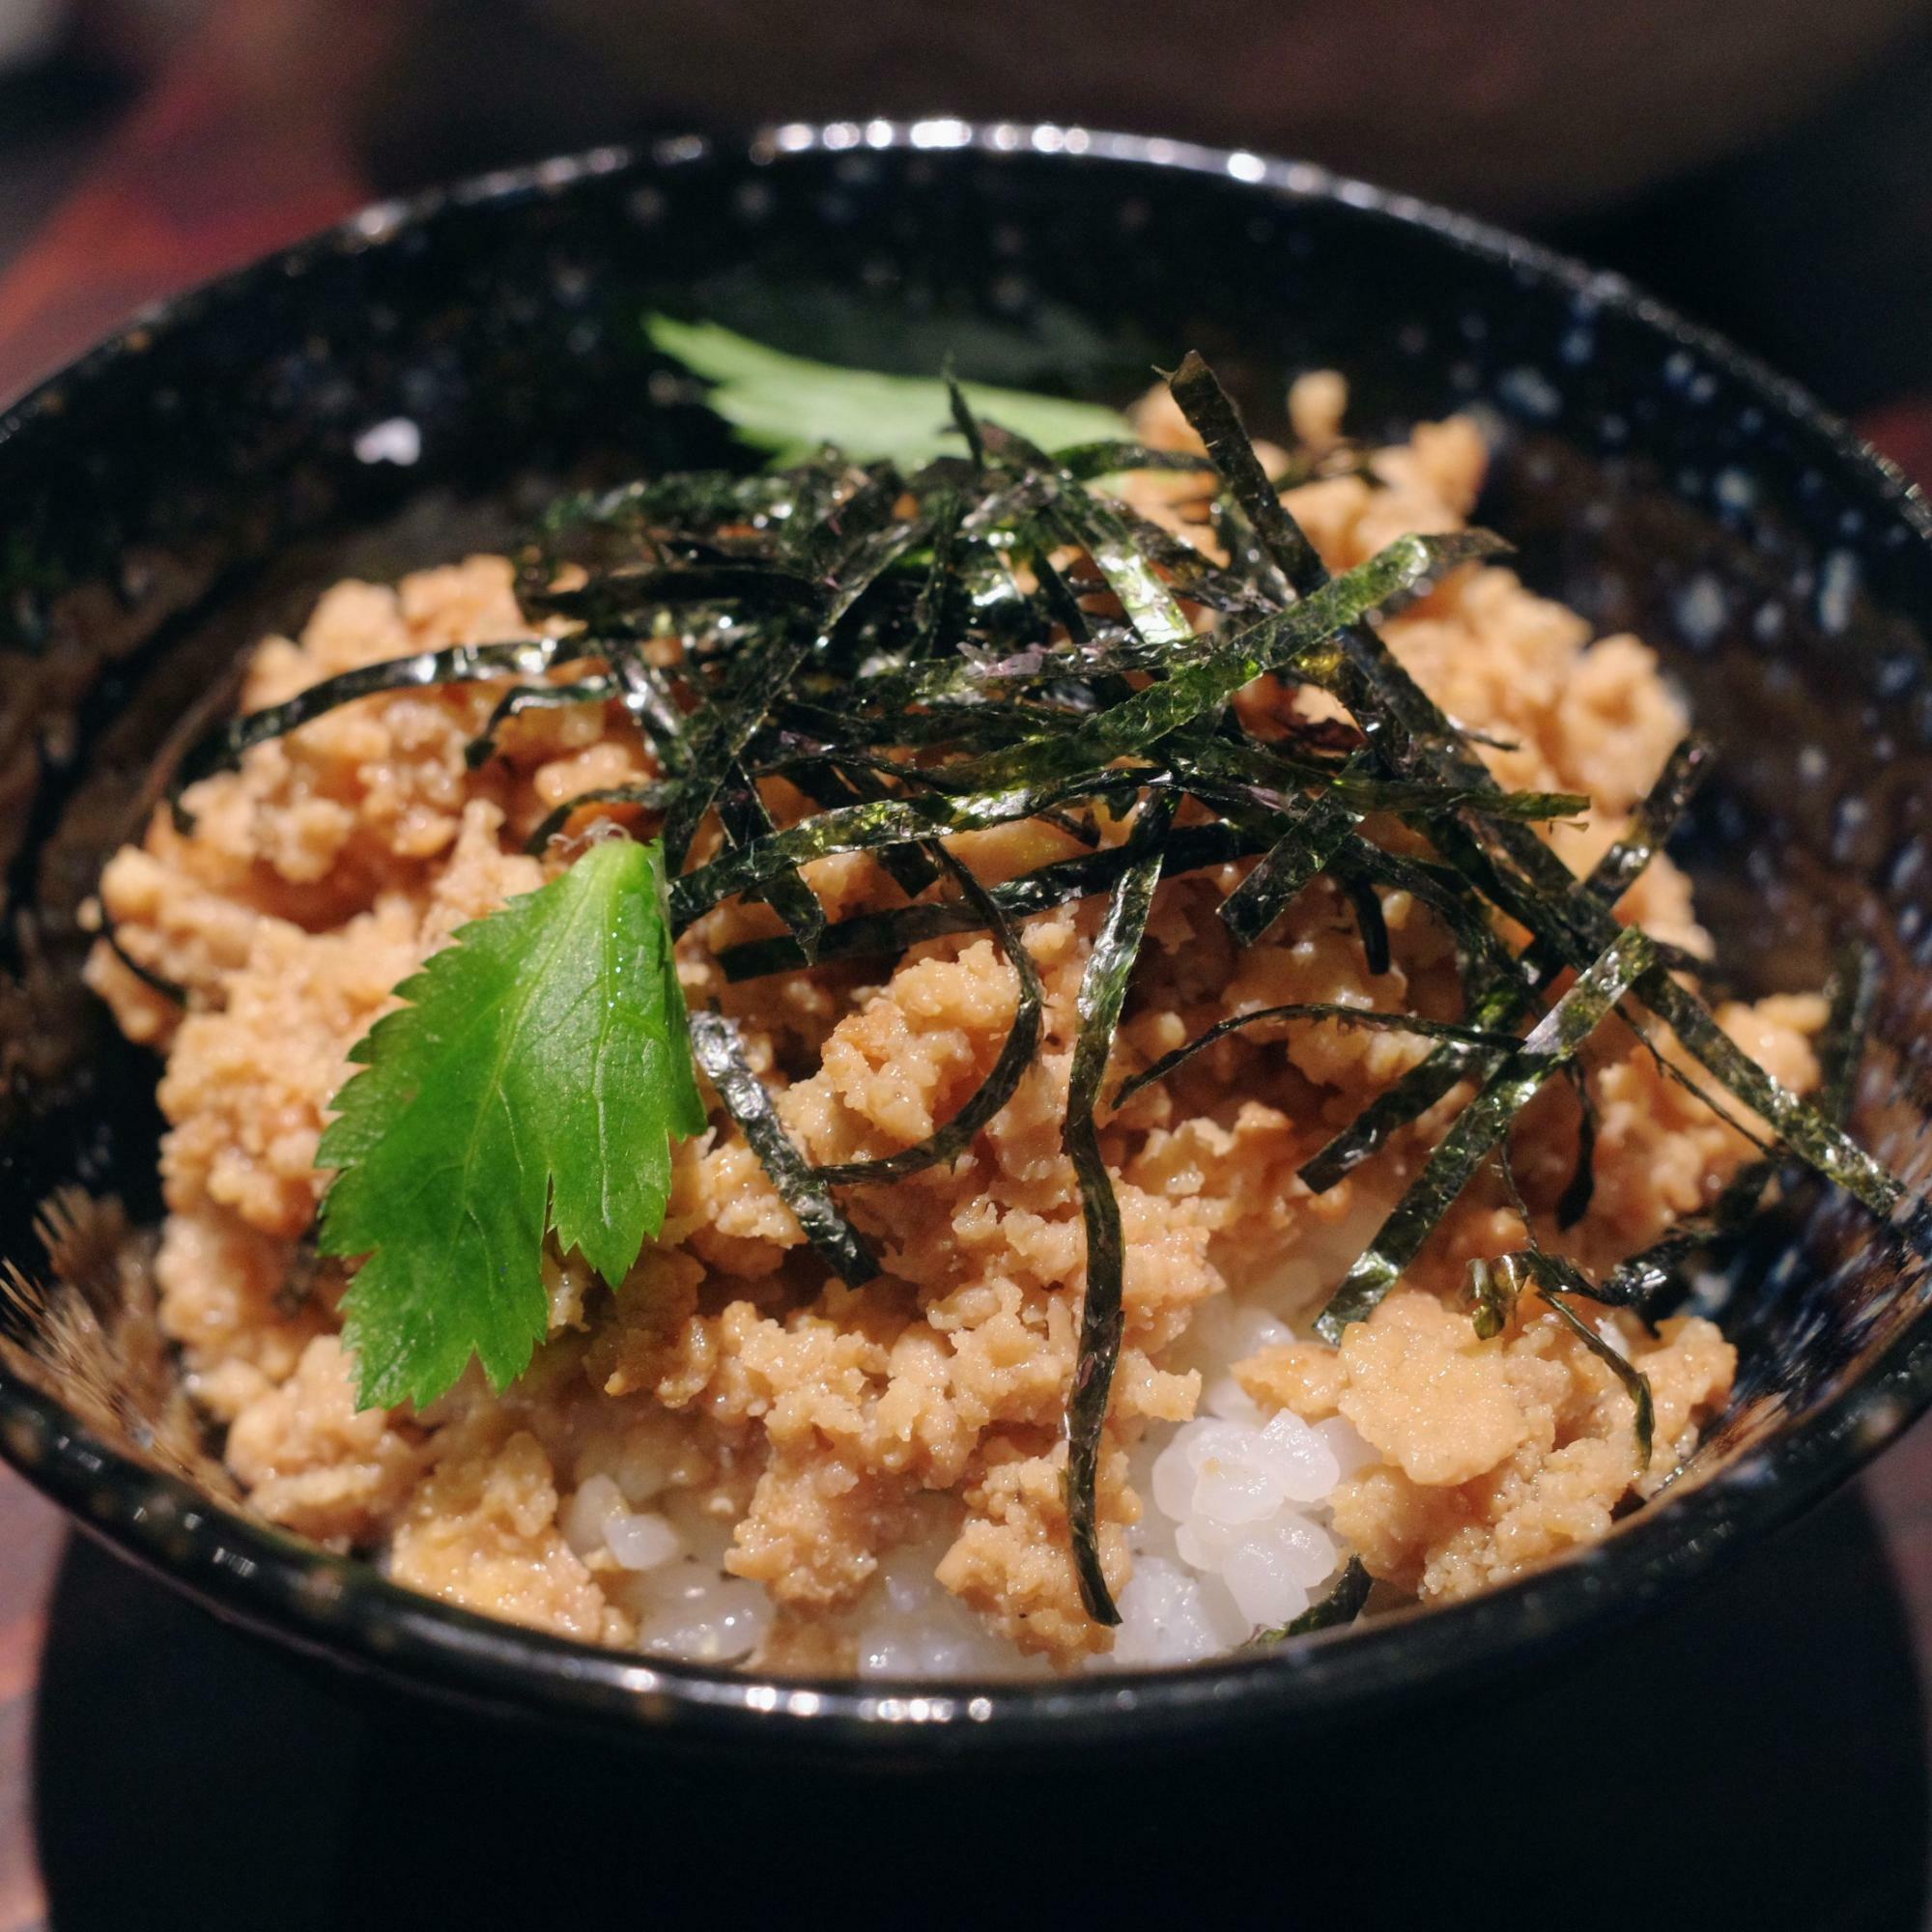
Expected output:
(239, 148)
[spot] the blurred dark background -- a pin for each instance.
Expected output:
(1760, 1757)
(1765, 163)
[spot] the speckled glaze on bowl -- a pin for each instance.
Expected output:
(401, 387)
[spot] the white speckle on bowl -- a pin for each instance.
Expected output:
(395, 439)
(1700, 609)
(1837, 589)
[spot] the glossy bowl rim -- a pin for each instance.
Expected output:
(341, 1609)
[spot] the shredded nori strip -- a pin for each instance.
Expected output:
(1190, 849)
(1574, 1202)
(1625, 1370)
(932, 607)
(1639, 1279)
(1819, 1141)
(1341, 1015)
(1342, 1605)
(651, 700)
(964, 419)
(946, 1144)
(1544, 898)
(716, 1047)
(1658, 814)
(1614, 874)
(1103, 990)
(148, 977)
(1152, 607)
(1211, 411)
(742, 812)
(1268, 769)
(1202, 683)
(1408, 728)
(222, 749)
(1496, 1286)
(645, 797)
(847, 551)
(592, 689)
(1090, 461)
(866, 827)
(1370, 923)
(1852, 997)
(627, 592)
(1309, 845)
(1555, 1040)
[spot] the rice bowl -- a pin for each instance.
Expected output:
(1497, 1613)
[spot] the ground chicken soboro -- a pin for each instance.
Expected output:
(723, 1391)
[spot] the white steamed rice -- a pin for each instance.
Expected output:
(1234, 1535)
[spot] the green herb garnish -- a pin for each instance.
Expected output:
(792, 408)
(531, 1085)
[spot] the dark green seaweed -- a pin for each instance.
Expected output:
(1371, 924)
(1535, 886)
(222, 749)
(1614, 874)
(745, 820)
(848, 551)
(1270, 768)
(1190, 849)
(1103, 990)
(1625, 1369)
(1852, 1009)
(651, 698)
(1218, 423)
(1341, 1015)
(1555, 1040)
(867, 827)
(1308, 846)
(946, 1144)
(626, 592)
(593, 690)
(1100, 528)
(715, 1044)
(1640, 1279)
(1342, 1605)
(1496, 1286)
(1657, 817)
(645, 797)
(1204, 681)
(1574, 1202)
(1087, 462)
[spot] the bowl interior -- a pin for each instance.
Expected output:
(194, 483)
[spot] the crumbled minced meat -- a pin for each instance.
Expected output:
(1495, 1455)
(818, 1417)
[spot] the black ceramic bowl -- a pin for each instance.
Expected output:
(195, 479)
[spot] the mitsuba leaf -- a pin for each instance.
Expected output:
(533, 1081)
(793, 407)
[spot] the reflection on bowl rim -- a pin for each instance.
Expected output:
(341, 1609)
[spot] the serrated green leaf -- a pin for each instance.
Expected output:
(533, 1081)
(793, 407)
